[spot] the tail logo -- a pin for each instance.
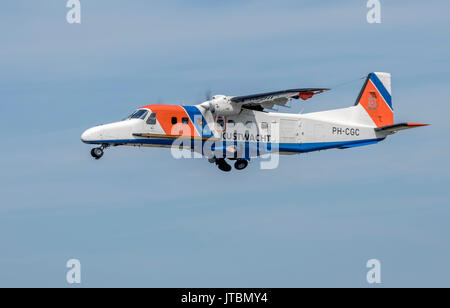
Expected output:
(372, 102)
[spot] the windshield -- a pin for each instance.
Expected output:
(139, 114)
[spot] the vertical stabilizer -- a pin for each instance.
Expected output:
(375, 98)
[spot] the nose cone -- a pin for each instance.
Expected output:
(110, 132)
(90, 135)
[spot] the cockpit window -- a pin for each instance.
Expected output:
(139, 114)
(152, 119)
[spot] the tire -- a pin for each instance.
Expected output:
(224, 166)
(97, 153)
(241, 164)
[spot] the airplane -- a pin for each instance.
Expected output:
(240, 128)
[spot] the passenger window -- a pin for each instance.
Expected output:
(230, 123)
(152, 119)
(174, 120)
(185, 120)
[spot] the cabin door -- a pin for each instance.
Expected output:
(289, 131)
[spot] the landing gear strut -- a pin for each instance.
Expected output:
(97, 153)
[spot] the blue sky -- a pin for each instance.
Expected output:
(137, 217)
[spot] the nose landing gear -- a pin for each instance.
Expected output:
(97, 153)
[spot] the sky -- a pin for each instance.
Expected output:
(140, 218)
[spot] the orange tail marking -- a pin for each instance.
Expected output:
(376, 107)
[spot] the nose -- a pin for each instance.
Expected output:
(90, 135)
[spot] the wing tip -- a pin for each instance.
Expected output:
(305, 95)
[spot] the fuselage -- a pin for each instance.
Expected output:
(161, 125)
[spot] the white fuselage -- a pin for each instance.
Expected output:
(291, 133)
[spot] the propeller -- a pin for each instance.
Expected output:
(208, 105)
(208, 95)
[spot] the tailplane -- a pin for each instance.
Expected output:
(390, 129)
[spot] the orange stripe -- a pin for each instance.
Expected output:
(164, 114)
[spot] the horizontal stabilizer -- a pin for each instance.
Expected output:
(396, 127)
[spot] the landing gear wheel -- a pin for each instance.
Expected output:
(97, 153)
(241, 164)
(222, 164)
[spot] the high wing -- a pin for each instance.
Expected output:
(268, 100)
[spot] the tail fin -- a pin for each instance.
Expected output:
(375, 98)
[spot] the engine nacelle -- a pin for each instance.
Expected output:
(222, 105)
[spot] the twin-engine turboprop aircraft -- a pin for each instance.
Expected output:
(239, 128)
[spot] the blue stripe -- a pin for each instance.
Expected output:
(377, 82)
(317, 146)
(358, 144)
(194, 113)
(282, 147)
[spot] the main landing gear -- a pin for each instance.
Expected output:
(97, 153)
(241, 164)
(221, 163)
